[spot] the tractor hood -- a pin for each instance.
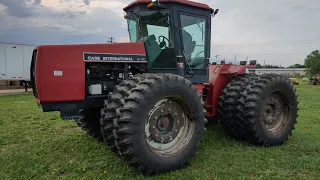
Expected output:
(58, 71)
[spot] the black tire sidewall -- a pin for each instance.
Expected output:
(283, 86)
(171, 87)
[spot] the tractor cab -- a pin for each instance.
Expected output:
(176, 36)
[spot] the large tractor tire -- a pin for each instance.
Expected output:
(228, 102)
(268, 110)
(159, 122)
(110, 113)
(89, 121)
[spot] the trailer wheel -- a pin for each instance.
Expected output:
(161, 122)
(268, 110)
(89, 121)
(227, 105)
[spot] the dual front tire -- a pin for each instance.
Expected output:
(158, 122)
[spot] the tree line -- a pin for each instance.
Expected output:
(311, 63)
(276, 66)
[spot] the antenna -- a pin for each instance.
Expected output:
(111, 40)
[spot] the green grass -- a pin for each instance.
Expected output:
(37, 145)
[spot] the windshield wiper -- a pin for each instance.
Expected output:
(189, 69)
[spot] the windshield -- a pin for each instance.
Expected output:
(150, 23)
(153, 28)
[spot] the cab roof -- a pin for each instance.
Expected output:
(184, 2)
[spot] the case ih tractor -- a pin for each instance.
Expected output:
(149, 100)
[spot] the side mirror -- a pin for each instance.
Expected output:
(216, 12)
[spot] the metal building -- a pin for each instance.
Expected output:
(282, 71)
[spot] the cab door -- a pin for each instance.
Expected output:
(194, 33)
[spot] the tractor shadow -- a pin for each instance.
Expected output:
(216, 135)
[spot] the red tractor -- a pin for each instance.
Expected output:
(149, 100)
(316, 81)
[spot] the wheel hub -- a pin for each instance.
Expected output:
(166, 121)
(270, 112)
(168, 127)
(274, 114)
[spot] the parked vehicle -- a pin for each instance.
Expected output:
(316, 80)
(294, 80)
(148, 100)
(15, 62)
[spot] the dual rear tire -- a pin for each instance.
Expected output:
(259, 109)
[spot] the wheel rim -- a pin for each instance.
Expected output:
(276, 112)
(169, 127)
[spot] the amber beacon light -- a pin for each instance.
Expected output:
(150, 5)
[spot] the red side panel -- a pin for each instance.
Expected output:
(200, 87)
(60, 69)
(219, 77)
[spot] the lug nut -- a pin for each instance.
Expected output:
(162, 140)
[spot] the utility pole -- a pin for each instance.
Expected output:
(111, 39)
(273, 64)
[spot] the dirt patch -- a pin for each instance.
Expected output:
(14, 91)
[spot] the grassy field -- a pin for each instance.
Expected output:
(36, 145)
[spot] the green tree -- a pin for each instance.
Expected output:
(297, 66)
(312, 62)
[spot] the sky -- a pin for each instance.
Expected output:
(282, 32)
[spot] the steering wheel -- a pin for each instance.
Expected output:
(163, 43)
(194, 60)
(198, 54)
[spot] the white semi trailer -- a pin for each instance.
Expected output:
(15, 62)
